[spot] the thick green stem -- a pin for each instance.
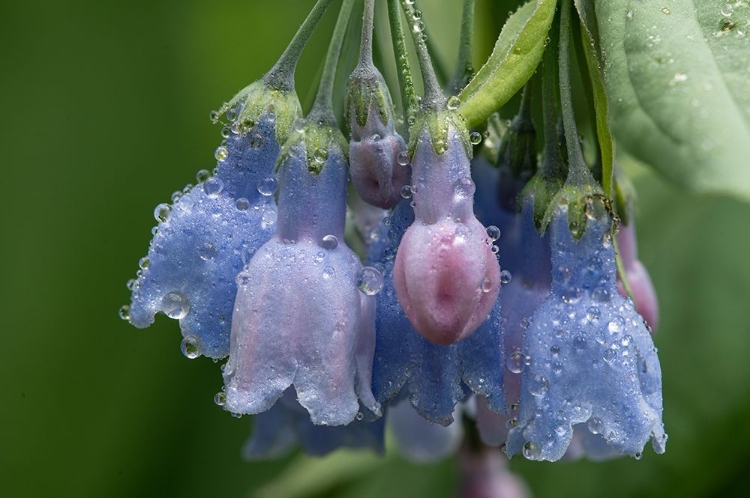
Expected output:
(281, 75)
(464, 67)
(405, 81)
(322, 109)
(433, 93)
(578, 172)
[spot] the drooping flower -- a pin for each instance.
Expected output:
(592, 360)
(420, 440)
(299, 317)
(375, 148)
(205, 237)
(434, 377)
(644, 295)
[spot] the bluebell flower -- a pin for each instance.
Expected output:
(299, 317)
(434, 377)
(592, 361)
(287, 424)
(207, 235)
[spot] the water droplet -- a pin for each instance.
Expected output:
(213, 187)
(328, 272)
(256, 140)
(243, 278)
(231, 114)
(220, 398)
(403, 158)
(207, 251)
(453, 103)
(579, 342)
(369, 280)
(629, 14)
(320, 155)
(727, 10)
(495, 250)
(268, 186)
(493, 233)
(202, 175)
(162, 212)
(176, 196)
(678, 78)
(475, 137)
(406, 191)
(329, 242)
(417, 27)
(221, 153)
(626, 340)
(505, 275)
(600, 295)
(665, 10)
(511, 423)
(616, 325)
(175, 305)
(555, 350)
(417, 14)
(269, 216)
(125, 313)
(144, 262)
(538, 386)
(593, 313)
(191, 347)
(486, 285)
(572, 295)
(595, 425)
(525, 323)
(516, 362)
(214, 116)
(531, 451)
(242, 204)
(359, 416)
(610, 355)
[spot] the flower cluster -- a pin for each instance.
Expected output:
(485, 296)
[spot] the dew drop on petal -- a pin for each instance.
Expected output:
(268, 186)
(406, 191)
(220, 398)
(369, 280)
(516, 362)
(329, 242)
(269, 216)
(505, 275)
(538, 386)
(175, 305)
(595, 425)
(202, 175)
(329, 272)
(403, 158)
(531, 450)
(191, 347)
(475, 137)
(242, 204)
(221, 153)
(616, 325)
(144, 262)
(125, 313)
(493, 233)
(453, 103)
(213, 187)
(207, 251)
(162, 212)
(486, 285)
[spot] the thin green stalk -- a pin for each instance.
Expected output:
(365, 47)
(433, 93)
(464, 66)
(552, 166)
(578, 172)
(281, 75)
(405, 81)
(322, 109)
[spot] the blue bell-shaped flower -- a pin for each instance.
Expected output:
(299, 317)
(204, 239)
(420, 440)
(591, 357)
(434, 377)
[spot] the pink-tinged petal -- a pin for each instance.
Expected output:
(644, 295)
(486, 475)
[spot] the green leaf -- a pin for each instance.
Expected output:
(677, 80)
(514, 59)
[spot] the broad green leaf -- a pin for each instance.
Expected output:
(517, 53)
(677, 75)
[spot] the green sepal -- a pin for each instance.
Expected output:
(259, 98)
(518, 149)
(543, 190)
(585, 201)
(318, 141)
(624, 195)
(438, 123)
(367, 90)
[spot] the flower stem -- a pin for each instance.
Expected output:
(281, 75)
(322, 109)
(578, 171)
(464, 67)
(365, 47)
(552, 166)
(433, 93)
(405, 80)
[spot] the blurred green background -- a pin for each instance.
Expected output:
(104, 113)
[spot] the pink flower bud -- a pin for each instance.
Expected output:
(446, 276)
(644, 295)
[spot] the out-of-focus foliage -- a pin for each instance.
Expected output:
(105, 112)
